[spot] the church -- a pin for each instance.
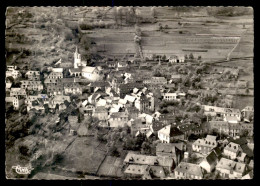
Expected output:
(81, 70)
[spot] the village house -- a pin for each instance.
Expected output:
(188, 171)
(176, 77)
(230, 169)
(169, 150)
(18, 92)
(145, 103)
(139, 159)
(190, 128)
(87, 109)
(100, 113)
(172, 96)
(55, 75)
(221, 112)
(156, 80)
(125, 89)
(205, 145)
(249, 175)
(132, 112)
(176, 59)
(13, 73)
(139, 126)
(209, 162)
(167, 119)
(248, 112)
(166, 133)
(8, 87)
(58, 99)
(118, 119)
(33, 75)
(54, 86)
(136, 171)
(36, 102)
(232, 150)
(72, 89)
(32, 85)
(102, 85)
(17, 101)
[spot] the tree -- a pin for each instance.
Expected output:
(113, 151)
(191, 56)
(244, 133)
(164, 57)
(146, 148)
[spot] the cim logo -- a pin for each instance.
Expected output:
(22, 170)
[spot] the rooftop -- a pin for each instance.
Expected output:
(136, 169)
(189, 168)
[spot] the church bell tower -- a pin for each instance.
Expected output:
(77, 58)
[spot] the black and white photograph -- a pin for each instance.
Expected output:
(129, 93)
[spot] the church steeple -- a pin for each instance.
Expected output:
(77, 58)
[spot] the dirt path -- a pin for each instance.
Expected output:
(228, 56)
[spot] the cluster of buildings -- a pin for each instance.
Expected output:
(117, 97)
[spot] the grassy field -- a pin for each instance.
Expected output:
(85, 154)
(243, 101)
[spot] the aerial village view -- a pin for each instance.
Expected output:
(129, 93)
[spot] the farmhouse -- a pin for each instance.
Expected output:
(205, 145)
(188, 171)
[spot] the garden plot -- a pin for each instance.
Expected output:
(83, 155)
(112, 166)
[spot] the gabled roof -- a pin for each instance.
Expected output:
(88, 69)
(118, 115)
(189, 168)
(100, 109)
(232, 147)
(136, 169)
(157, 125)
(210, 137)
(211, 158)
(226, 164)
(166, 130)
(240, 167)
(157, 172)
(165, 148)
(247, 150)
(30, 72)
